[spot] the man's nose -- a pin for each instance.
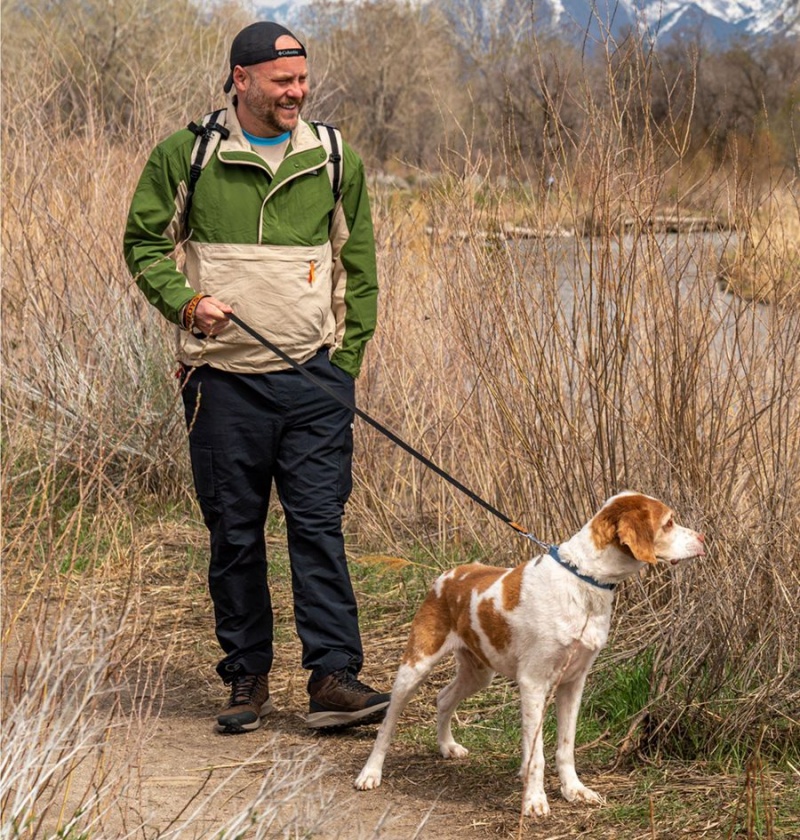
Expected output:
(295, 90)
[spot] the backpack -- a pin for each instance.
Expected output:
(212, 128)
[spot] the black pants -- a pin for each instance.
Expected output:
(244, 431)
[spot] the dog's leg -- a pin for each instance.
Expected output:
(471, 676)
(533, 697)
(568, 703)
(408, 680)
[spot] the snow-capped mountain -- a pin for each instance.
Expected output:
(717, 20)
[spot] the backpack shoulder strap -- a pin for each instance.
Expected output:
(331, 139)
(207, 136)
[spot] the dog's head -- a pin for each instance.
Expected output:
(645, 529)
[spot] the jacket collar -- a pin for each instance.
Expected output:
(303, 137)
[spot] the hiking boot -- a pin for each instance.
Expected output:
(248, 704)
(340, 700)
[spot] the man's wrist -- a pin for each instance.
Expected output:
(188, 314)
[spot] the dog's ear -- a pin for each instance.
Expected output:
(629, 522)
(604, 527)
(635, 530)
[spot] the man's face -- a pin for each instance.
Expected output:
(271, 94)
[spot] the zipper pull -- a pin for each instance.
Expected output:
(311, 273)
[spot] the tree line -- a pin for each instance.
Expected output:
(411, 85)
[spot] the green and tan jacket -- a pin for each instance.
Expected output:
(293, 266)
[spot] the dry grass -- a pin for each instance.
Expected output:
(544, 374)
(764, 265)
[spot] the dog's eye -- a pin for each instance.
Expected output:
(669, 524)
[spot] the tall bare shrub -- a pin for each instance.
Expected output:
(548, 373)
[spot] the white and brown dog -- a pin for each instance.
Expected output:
(541, 624)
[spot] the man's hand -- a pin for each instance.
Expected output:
(211, 316)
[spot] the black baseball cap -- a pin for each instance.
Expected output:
(256, 43)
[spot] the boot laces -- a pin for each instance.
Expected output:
(242, 689)
(349, 681)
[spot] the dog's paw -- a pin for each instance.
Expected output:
(580, 793)
(536, 804)
(453, 750)
(368, 779)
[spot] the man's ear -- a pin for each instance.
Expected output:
(239, 75)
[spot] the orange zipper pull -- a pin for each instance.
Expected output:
(311, 272)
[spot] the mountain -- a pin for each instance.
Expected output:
(717, 21)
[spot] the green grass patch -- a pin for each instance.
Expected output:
(614, 695)
(676, 724)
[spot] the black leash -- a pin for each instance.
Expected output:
(552, 550)
(388, 433)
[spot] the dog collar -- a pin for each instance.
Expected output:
(553, 552)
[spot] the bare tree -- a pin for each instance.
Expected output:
(118, 68)
(388, 76)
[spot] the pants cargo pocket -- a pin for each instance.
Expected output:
(202, 458)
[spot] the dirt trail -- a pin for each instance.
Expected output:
(422, 795)
(185, 753)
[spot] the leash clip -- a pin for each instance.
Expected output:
(522, 532)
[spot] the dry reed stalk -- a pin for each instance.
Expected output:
(65, 729)
(763, 265)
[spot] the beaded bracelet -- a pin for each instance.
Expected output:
(189, 309)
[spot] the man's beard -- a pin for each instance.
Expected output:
(267, 110)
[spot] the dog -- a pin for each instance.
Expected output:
(540, 624)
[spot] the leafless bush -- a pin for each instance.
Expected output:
(548, 373)
(68, 717)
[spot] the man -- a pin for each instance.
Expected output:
(266, 239)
